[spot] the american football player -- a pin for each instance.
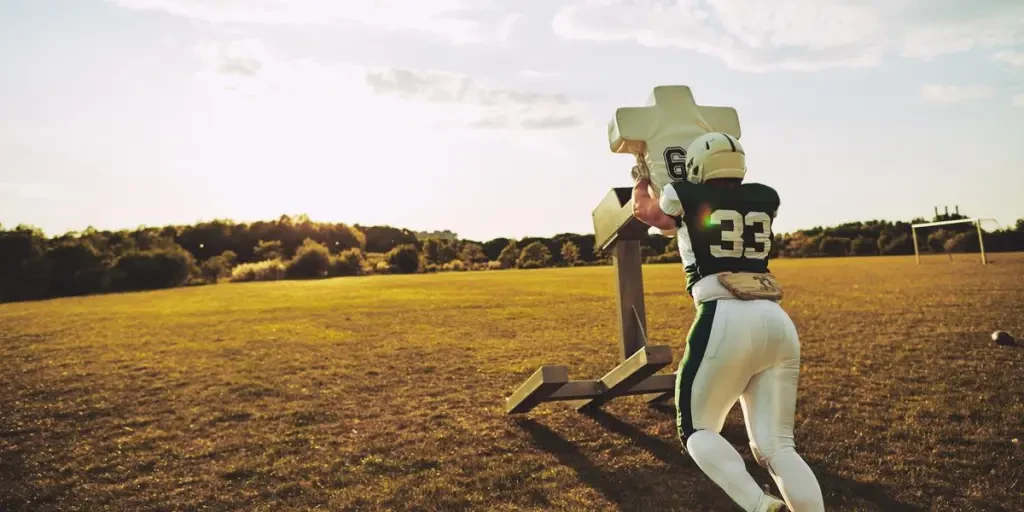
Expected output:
(742, 344)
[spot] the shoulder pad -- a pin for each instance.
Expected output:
(687, 191)
(761, 193)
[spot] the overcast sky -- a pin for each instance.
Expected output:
(488, 117)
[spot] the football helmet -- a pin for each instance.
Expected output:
(715, 155)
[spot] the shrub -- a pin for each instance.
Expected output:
(405, 259)
(372, 258)
(494, 265)
(218, 267)
(382, 267)
(268, 270)
(455, 266)
(347, 263)
(430, 268)
(153, 269)
(312, 260)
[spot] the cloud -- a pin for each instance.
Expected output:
(243, 57)
(753, 35)
(1017, 100)
(954, 94)
(429, 98)
(1010, 57)
(498, 106)
(459, 21)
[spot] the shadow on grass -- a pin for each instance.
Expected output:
(569, 455)
(841, 493)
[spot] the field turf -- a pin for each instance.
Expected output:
(386, 393)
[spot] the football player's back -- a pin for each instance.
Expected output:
(725, 226)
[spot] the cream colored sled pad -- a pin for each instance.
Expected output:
(750, 285)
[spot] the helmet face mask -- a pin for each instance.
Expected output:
(715, 155)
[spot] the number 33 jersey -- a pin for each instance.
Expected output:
(721, 229)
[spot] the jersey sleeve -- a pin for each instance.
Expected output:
(669, 202)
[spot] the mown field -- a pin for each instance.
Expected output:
(386, 393)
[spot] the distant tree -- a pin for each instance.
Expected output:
(381, 239)
(439, 250)
(534, 255)
(153, 269)
(655, 244)
(883, 241)
(312, 260)
(23, 272)
(962, 242)
(863, 246)
(218, 267)
(493, 248)
(203, 240)
(339, 237)
(585, 244)
(936, 240)
(472, 252)
(405, 259)
(554, 247)
(802, 245)
(834, 246)
(347, 263)
(570, 253)
(509, 254)
(75, 267)
(268, 250)
(899, 245)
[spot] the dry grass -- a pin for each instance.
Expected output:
(386, 393)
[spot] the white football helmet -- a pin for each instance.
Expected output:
(715, 155)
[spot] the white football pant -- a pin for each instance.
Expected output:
(747, 351)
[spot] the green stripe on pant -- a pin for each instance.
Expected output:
(696, 346)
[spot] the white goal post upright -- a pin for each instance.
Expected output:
(977, 225)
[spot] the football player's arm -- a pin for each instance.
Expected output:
(648, 209)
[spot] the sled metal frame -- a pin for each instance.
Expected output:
(617, 230)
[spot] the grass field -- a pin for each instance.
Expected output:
(386, 393)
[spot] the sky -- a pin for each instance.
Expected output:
(489, 117)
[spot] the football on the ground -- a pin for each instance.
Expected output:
(1002, 338)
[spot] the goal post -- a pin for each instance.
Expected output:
(977, 225)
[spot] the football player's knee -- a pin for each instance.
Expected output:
(769, 445)
(757, 456)
(695, 446)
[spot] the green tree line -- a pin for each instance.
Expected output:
(34, 266)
